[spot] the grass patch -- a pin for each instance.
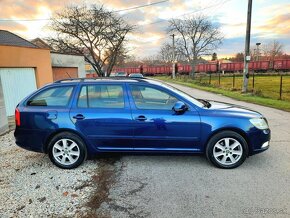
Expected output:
(257, 97)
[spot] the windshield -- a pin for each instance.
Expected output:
(186, 96)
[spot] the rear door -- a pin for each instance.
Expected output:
(102, 113)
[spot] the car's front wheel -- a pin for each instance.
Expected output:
(227, 149)
(67, 150)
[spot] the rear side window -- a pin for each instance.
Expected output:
(56, 96)
(101, 96)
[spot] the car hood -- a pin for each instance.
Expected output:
(221, 107)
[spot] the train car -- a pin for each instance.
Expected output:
(281, 65)
(128, 70)
(157, 70)
(232, 67)
(206, 68)
(184, 68)
(259, 65)
(211, 67)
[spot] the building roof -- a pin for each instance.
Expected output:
(8, 38)
(40, 43)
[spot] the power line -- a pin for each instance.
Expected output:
(126, 9)
(17, 20)
(142, 6)
(192, 12)
(157, 39)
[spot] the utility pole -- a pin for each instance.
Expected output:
(173, 51)
(247, 48)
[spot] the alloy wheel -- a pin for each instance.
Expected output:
(66, 151)
(227, 151)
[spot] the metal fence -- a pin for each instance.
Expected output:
(276, 86)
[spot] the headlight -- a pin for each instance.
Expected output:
(259, 123)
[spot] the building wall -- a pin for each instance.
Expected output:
(14, 56)
(3, 117)
(64, 73)
(64, 60)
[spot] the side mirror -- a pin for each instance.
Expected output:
(179, 107)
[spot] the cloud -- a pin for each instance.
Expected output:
(13, 26)
(277, 26)
(271, 20)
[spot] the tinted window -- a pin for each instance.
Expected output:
(151, 98)
(57, 96)
(101, 96)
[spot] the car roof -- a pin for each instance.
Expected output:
(109, 80)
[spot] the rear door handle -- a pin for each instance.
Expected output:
(141, 118)
(79, 117)
(51, 115)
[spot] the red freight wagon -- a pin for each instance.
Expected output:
(184, 69)
(281, 64)
(149, 70)
(206, 68)
(130, 70)
(259, 65)
(232, 67)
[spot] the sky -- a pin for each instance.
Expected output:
(270, 20)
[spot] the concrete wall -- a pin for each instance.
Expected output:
(64, 60)
(15, 56)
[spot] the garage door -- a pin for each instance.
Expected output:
(17, 83)
(64, 73)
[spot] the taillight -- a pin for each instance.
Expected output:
(17, 117)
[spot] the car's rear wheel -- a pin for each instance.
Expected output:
(67, 150)
(227, 149)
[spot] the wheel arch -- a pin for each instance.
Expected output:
(233, 129)
(48, 139)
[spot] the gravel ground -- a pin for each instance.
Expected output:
(150, 185)
(30, 185)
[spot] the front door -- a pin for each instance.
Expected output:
(157, 126)
(102, 113)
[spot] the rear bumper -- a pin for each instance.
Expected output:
(31, 140)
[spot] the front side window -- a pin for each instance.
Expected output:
(152, 98)
(101, 96)
(56, 96)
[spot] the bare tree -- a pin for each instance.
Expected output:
(166, 53)
(94, 32)
(273, 49)
(152, 60)
(197, 36)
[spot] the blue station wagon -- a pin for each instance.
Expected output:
(73, 119)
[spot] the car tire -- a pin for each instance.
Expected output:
(227, 149)
(67, 150)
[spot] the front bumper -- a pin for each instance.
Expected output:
(260, 141)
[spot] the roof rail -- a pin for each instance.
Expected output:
(99, 78)
(70, 79)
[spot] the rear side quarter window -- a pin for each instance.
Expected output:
(54, 96)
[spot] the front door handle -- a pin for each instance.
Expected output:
(141, 118)
(79, 117)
